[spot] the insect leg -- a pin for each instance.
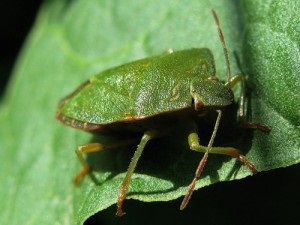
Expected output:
(148, 135)
(194, 144)
(241, 111)
(94, 147)
(230, 151)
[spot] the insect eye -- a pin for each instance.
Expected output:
(198, 105)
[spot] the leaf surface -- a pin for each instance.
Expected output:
(73, 40)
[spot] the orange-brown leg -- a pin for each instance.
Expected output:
(194, 144)
(148, 135)
(94, 147)
(241, 111)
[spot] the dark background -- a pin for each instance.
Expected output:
(16, 18)
(271, 197)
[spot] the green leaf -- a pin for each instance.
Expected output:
(73, 40)
(271, 48)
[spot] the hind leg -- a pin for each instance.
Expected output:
(94, 147)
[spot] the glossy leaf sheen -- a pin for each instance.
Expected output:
(72, 41)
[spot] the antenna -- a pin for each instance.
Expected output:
(223, 44)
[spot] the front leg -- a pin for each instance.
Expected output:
(193, 140)
(194, 144)
(242, 118)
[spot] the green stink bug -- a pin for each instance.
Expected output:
(148, 96)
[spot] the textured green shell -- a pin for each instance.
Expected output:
(141, 89)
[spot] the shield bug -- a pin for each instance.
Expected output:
(148, 96)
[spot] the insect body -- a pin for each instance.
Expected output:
(147, 96)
